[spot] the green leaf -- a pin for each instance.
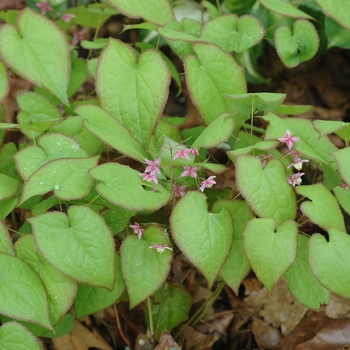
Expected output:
(99, 43)
(78, 75)
(237, 265)
(4, 82)
(92, 15)
(155, 11)
(14, 336)
(37, 114)
(284, 8)
(79, 245)
(270, 251)
(329, 261)
(324, 210)
(8, 187)
(236, 33)
(299, 45)
(171, 306)
(67, 178)
(193, 227)
(342, 158)
(52, 146)
(266, 189)
(310, 145)
(124, 187)
(133, 91)
(336, 34)
(259, 146)
(117, 219)
(64, 326)
(5, 240)
(144, 269)
(325, 127)
(246, 105)
(73, 127)
(302, 283)
(291, 110)
(211, 74)
(343, 198)
(7, 163)
(90, 300)
(336, 9)
(105, 127)
(60, 289)
(216, 132)
(18, 285)
(38, 51)
(9, 16)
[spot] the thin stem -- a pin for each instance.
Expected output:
(150, 317)
(119, 326)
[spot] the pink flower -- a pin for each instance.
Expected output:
(67, 17)
(160, 248)
(152, 166)
(78, 37)
(137, 229)
(289, 139)
(190, 171)
(298, 162)
(195, 152)
(209, 182)
(183, 153)
(44, 7)
(295, 179)
(179, 191)
(149, 177)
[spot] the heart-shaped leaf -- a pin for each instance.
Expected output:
(211, 74)
(155, 11)
(329, 261)
(37, 114)
(144, 268)
(67, 178)
(90, 300)
(38, 51)
(60, 289)
(124, 187)
(236, 33)
(342, 158)
(193, 226)
(79, 245)
(105, 127)
(302, 283)
(216, 132)
(336, 9)
(18, 284)
(270, 252)
(52, 146)
(266, 189)
(132, 91)
(324, 210)
(237, 265)
(14, 336)
(297, 46)
(171, 305)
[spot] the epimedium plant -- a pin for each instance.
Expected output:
(81, 204)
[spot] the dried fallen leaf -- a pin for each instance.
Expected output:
(80, 338)
(166, 342)
(266, 336)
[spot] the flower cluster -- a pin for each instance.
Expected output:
(44, 7)
(160, 248)
(151, 170)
